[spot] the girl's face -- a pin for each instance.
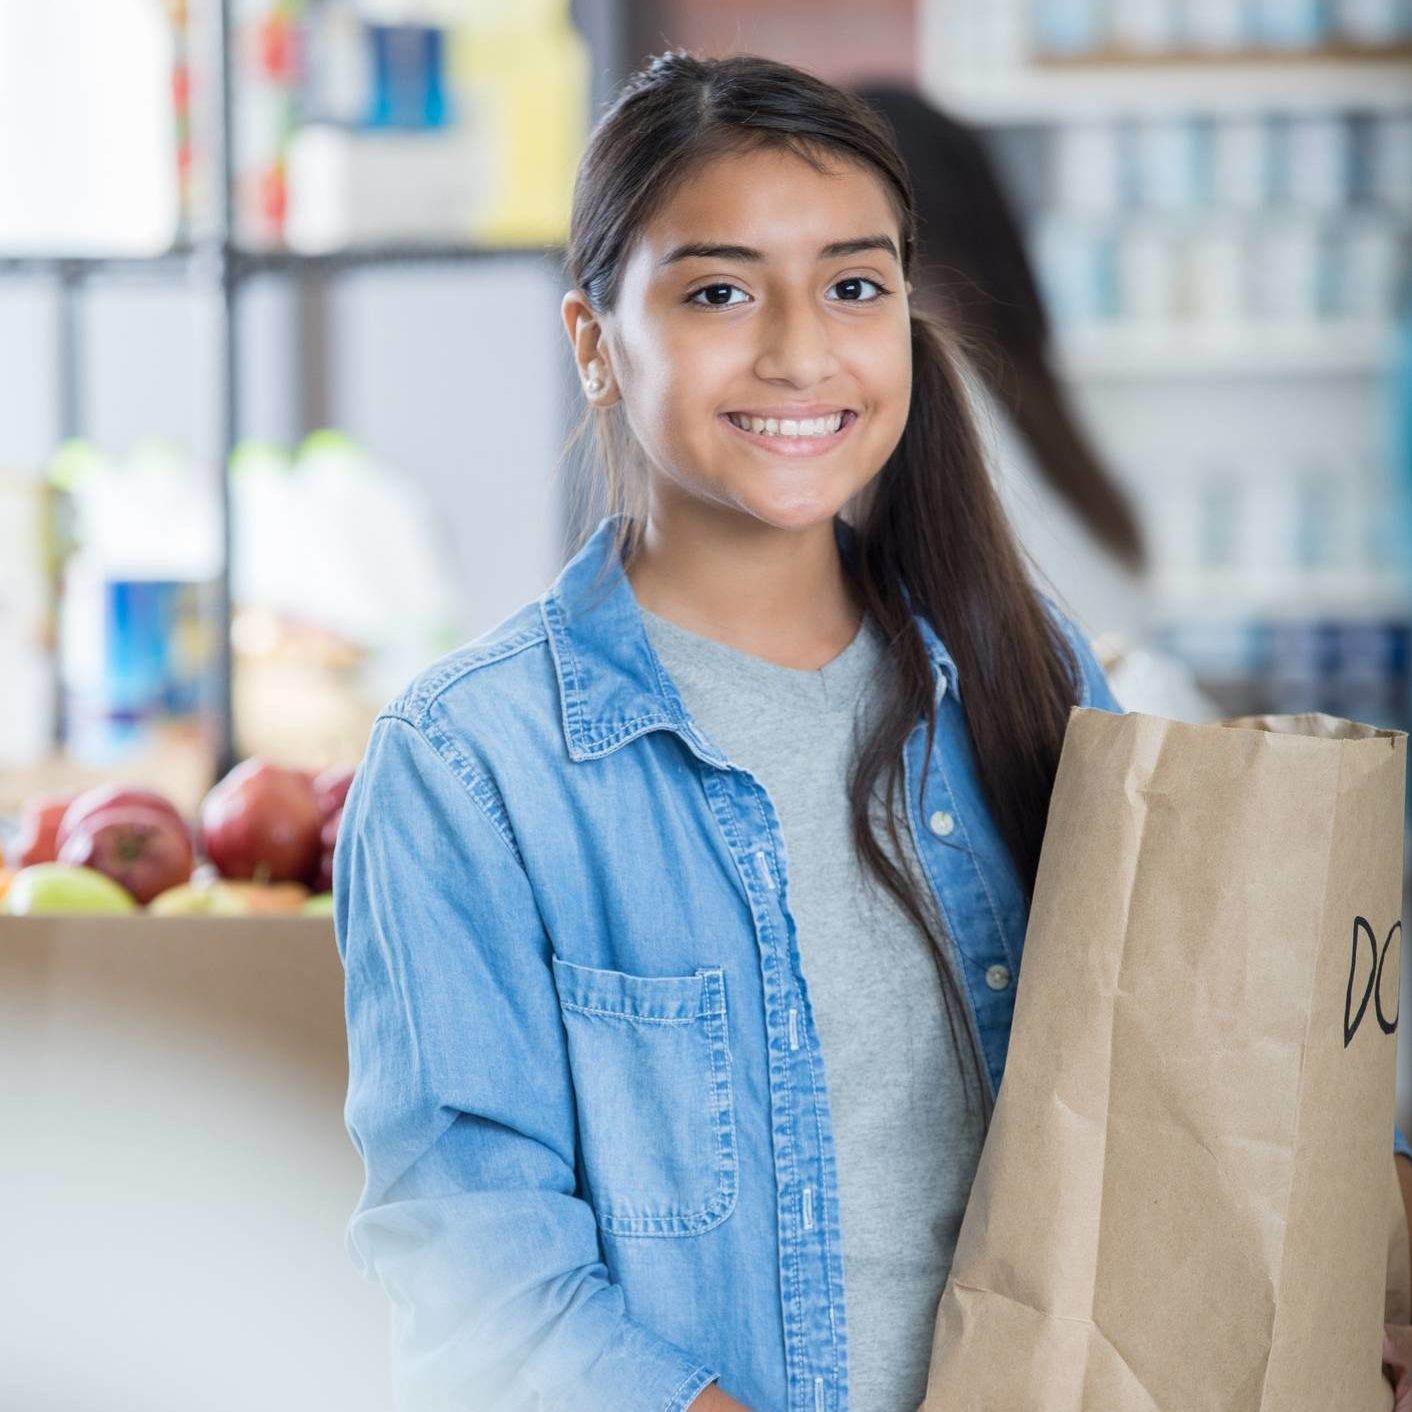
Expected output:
(761, 291)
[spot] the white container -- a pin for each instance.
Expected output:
(357, 188)
(1217, 273)
(1075, 259)
(339, 77)
(1242, 163)
(1148, 273)
(1089, 167)
(1291, 24)
(1379, 530)
(1066, 26)
(355, 511)
(1217, 25)
(1288, 270)
(1368, 261)
(1145, 26)
(1174, 525)
(1318, 160)
(1269, 527)
(1371, 22)
(1389, 152)
(87, 129)
(1172, 156)
(1220, 498)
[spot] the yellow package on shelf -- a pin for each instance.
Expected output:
(520, 72)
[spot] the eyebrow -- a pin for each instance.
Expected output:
(697, 249)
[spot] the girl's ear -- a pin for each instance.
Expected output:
(590, 349)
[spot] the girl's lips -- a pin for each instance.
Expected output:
(796, 445)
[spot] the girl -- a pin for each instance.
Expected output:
(682, 911)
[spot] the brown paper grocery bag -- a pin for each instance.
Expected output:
(1184, 1197)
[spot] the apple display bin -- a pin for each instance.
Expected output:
(176, 1176)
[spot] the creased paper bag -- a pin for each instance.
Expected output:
(1184, 1197)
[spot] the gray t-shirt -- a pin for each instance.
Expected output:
(906, 1146)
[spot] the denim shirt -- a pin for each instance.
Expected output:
(584, 1075)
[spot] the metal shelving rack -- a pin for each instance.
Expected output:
(216, 263)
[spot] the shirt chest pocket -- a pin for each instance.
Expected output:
(652, 1073)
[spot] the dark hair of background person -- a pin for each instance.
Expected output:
(930, 519)
(972, 262)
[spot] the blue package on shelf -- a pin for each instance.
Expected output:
(408, 79)
(153, 639)
(1067, 26)
(1302, 657)
(1301, 647)
(1374, 648)
(139, 622)
(1292, 24)
(1371, 681)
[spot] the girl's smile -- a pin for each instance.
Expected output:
(815, 434)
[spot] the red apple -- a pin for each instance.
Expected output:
(144, 850)
(39, 827)
(262, 822)
(331, 787)
(108, 796)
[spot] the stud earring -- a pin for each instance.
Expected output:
(594, 382)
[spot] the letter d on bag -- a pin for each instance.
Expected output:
(1374, 989)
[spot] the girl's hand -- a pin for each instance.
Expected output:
(1397, 1363)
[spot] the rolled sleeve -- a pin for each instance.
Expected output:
(460, 1103)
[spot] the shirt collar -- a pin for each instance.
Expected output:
(612, 687)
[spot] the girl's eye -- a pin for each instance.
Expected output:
(712, 289)
(861, 279)
(850, 281)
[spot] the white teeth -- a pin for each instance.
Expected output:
(769, 426)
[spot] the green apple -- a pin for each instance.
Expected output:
(197, 900)
(54, 888)
(319, 905)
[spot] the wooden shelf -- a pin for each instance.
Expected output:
(1301, 59)
(1135, 352)
(1233, 596)
(1066, 90)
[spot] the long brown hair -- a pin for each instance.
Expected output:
(971, 260)
(930, 519)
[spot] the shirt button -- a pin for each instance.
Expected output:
(997, 977)
(941, 823)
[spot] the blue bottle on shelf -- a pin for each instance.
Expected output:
(408, 77)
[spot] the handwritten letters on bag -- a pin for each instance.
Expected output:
(1373, 990)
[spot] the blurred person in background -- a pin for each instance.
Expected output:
(974, 273)
(682, 911)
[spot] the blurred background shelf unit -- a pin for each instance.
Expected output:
(1218, 197)
(239, 275)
